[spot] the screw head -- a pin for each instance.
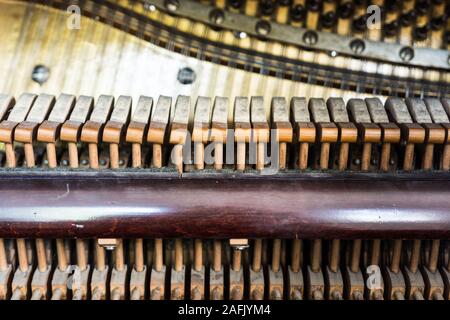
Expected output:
(186, 75)
(357, 46)
(217, 16)
(172, 5)
(40, 74)
(262, 27)
(240, 34)
(310, 37)
(406, 54)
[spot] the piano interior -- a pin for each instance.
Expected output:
(225, 150)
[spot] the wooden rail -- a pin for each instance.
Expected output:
(36, 203)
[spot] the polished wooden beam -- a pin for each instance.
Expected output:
(35, 203)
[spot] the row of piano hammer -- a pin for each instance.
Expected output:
(332, 123)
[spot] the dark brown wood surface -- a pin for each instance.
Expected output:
(136, 204)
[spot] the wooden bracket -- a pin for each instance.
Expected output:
(415, 285)
(335, 285)
(137, 283)
(26, 131)
(137, 129)
(315, 284)
(355, 284)
(201, 129)
(98, 283)
(177, 282)
(256, 284)
(216, 284)
(219, 128)
(71, 129)
(80, 288)
(198, 284)
(118, 283)
(157, 130)
(282, 127)
(395, 285)
(59, 284)
(6, 103)
(260, 129)
(295, 284)
(114, 130)
(179, 130)
(18, 114)
(242, 130)
(236, 284)
(49, 130)
(20, 283)
(411, 133)
(5, 278)
(434, 285)
(157, 284)
(39, 284)
(276, 284)
(92, 129)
